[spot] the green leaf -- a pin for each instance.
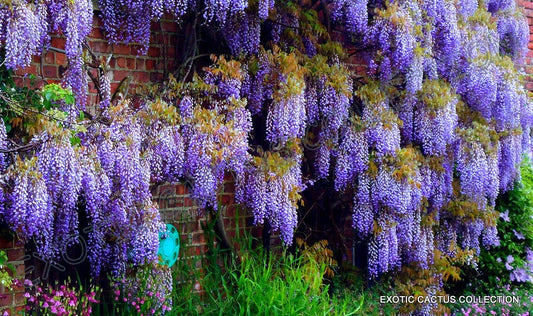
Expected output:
(75, 140)
(69, 99)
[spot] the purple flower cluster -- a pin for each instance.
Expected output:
(394, 41)
(383, 131)
(352, 158)
(494, 6)
(242, 33)
(286, 119)
(353, 14)
(270, 190)
(25, 28)
(328, 108)
(514, 35)
(264, 8)
(29, 210)
(3, 146)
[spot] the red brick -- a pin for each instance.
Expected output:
(118, 75)
(174, 202)
(96, 33)
(58, 42)
(225, 199)
(113, 62)
(170, 50)
(121, 62)
(49, 57)
(189, 202)
(138, 49)
(230, 233)
(169, 26)
(198, 251)
(101, 47)
(139, 64)
(19, 270)
(18, 289)
(142, 76)
(187, 227)
(180, 189)
(18, 81)
(150, 65)
(31, 69)
(50, 71)
(15, 254)
(6, 300)
(156, 37)
(20, 299)
(122, 49)
(160, 64)
(92, 88)
(61, 59)
(154, 52)
(130, 63)
(52, 80)
(114, 86)
(167, 190)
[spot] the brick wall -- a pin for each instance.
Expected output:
(175, 203)
(12, 301)
(527, 5)
(178, 208)
(124, 61)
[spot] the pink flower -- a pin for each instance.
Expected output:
(467, 312)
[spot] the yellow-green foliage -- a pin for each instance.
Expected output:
(319, 253)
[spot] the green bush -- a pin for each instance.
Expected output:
(506, 269)
(512, 260)
(254, 283)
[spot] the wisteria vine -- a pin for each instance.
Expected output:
(425, 141)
